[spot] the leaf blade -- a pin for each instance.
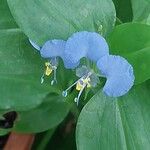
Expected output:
(59, 19)
(109, 123)
(132, 40)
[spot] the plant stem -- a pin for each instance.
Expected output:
(119, 21)
(46, 139)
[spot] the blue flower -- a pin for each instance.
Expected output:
(84, 44)
(119, 74)
(87, 79)
(79, 45)
(51, 50)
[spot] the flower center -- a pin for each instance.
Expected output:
(50, 66)
(81, 83)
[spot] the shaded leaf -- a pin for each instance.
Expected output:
(46, 116)
(141, 11)
(132, 41)
(116, 123)
(6, 19)
(124, 10)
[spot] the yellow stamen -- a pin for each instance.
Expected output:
(81, 83)
(49, 69)
(79, 86)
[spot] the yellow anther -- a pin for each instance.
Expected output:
(47, 64)
(79, 86)
(48, 70)
(82, 82)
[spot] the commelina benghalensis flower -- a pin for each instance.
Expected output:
(92, 46)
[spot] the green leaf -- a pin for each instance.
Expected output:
(49, 19)
(20, 71)
(6, 19)
(141, 63)
(124, 10)
(46, 116)
(141, 11)
(132, 41)
(4, 132)
(116, 123)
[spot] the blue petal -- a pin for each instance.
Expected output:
(35, 45)
(69, 64)
(85, 44)
(53, 48)
(97, 47)
(119, 74)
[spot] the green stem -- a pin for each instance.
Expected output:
(119, 21)
(46, 139)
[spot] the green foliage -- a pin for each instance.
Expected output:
(116, 123)
(104, 123)
(132, 41)
(49, 19)
(6, 19)
(48, 115)
(141, 11)
(20, 72)
(123, 10)
(4, 132)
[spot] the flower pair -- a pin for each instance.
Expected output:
(92, 46)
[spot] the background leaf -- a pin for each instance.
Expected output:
(132, 41)
(116, 123)
(46, 116)
(49, 19)
(141, 11)
(124, 10)
(21, 68)
(4, 132)
(6, 19)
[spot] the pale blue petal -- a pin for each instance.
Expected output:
(53, 48)
(97, 47)
(35, 45)
(118, 85)
(119, 74)
(69, 64)
(76, 47)
(85, 44)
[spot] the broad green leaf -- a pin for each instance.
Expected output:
(6, 19)
(141, 63)
(141, 11)
(123, 10)
(132, 41)
(49, 19)
(116, 123)
(20, 71)
(48, 115)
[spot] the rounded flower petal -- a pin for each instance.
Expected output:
(85, 44)
(35, 45)
(53, 48)
(69, 64)
(119, 74)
